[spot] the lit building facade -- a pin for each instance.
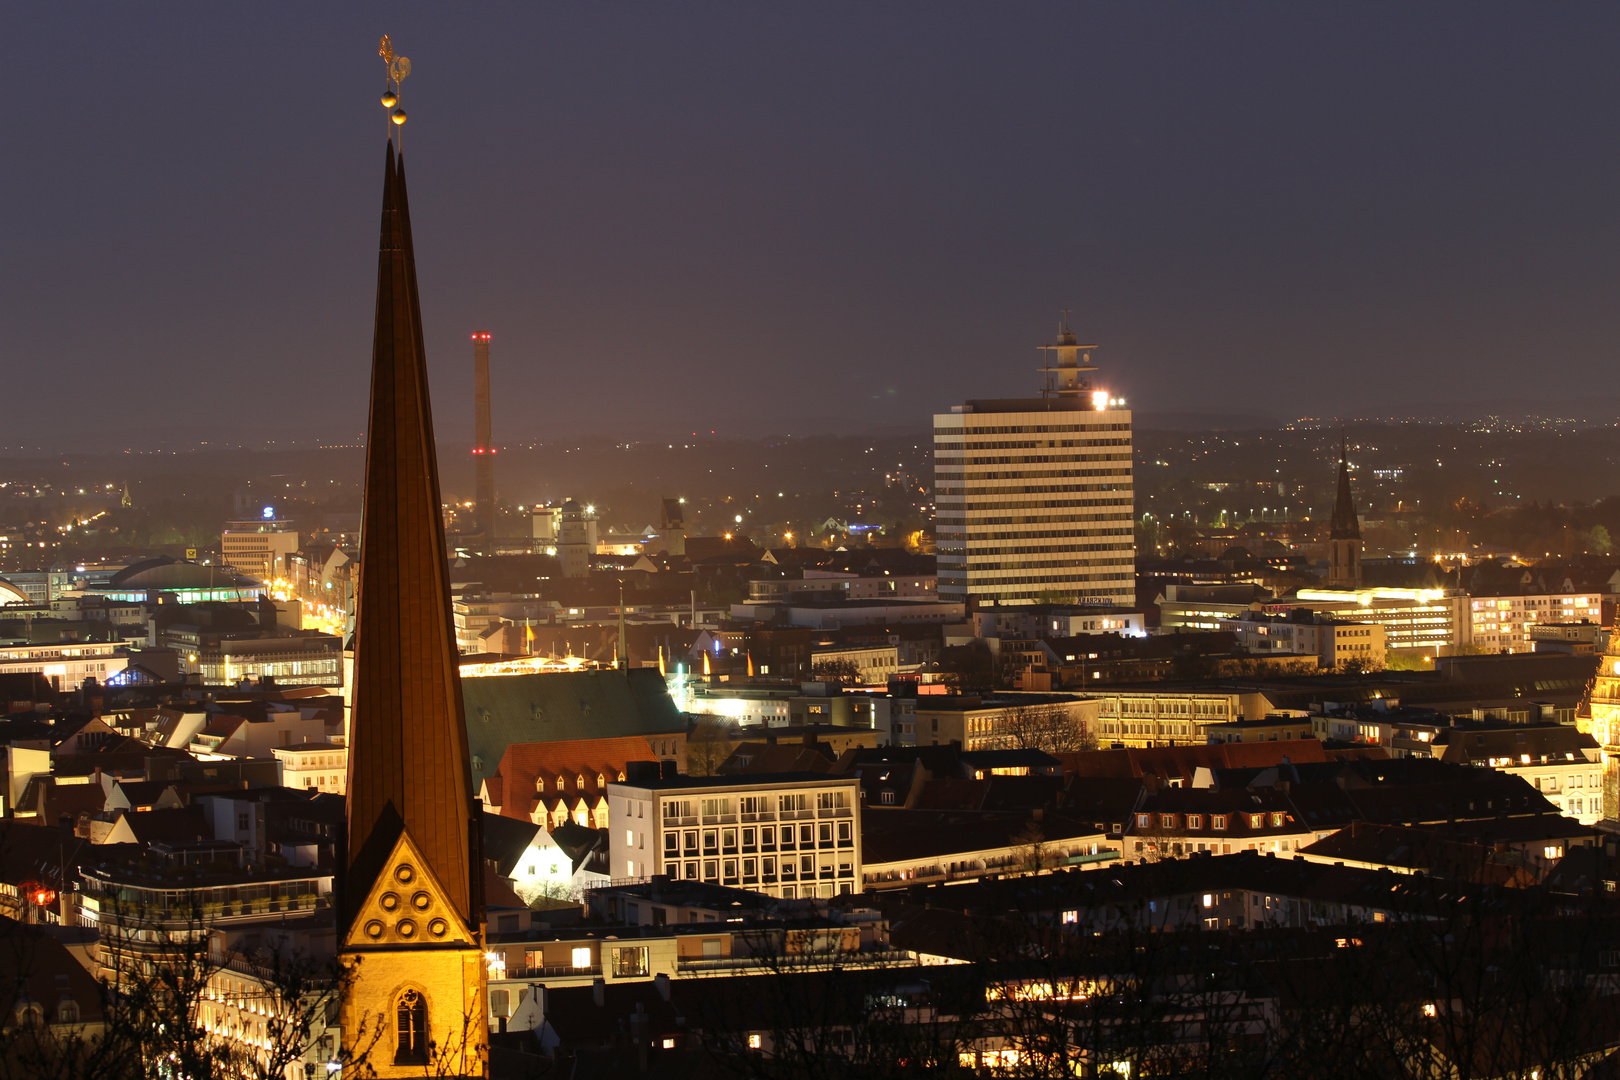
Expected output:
(314, 766)
(1431, 621)
(1601, 719)
(66, 665)
(1033, 497)
(791, 835)
(1503, 623)
(576, 538)
(1143, 718)
(258, 548)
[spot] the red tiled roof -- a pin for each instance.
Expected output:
(525, 763)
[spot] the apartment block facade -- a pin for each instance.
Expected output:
(792, 835)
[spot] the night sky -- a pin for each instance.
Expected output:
(799, 218)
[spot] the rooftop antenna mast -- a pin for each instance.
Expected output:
(1070, 375)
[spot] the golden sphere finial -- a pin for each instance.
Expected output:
(398, 116)
(389, 100)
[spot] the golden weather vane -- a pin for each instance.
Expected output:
(398, 68)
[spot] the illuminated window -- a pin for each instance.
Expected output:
(582, 957)
(411, 1030)
(753, 1042)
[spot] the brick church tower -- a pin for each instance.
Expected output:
(411, 914)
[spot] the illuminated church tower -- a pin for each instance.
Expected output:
(1344, 535)
(1600, 718)
(411, 913)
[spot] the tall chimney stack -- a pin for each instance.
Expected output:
(483, 444)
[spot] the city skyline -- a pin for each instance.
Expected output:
(706, 212)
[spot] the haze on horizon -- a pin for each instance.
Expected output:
(839, 218)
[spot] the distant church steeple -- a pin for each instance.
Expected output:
(411, 914)
(1344, 534)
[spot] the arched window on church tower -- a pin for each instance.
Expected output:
(412, 1029)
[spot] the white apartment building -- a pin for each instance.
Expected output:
(1033, 497)
(792, 835)
(1502, 623)
(318, 766)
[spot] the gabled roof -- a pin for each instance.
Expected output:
(60, 804)
(506, 839)
(35, 852)
(758, 757)
(524, 765)
(892, 835)
(1421, 850)
(1184, 761)
(554, 707)
(52, 977)
(181, 824)
(1449, 800)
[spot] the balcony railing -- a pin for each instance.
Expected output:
(554, 971)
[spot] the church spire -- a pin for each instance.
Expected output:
(408, 757)
(1345, 524)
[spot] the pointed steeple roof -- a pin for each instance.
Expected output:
(1345, 524)
(408, 759)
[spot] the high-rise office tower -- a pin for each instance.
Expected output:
(1033, 496)
(483, 442)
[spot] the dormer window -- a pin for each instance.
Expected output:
(601, 781)
(540, 784)
(561, 783)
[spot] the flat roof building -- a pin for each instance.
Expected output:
(1033, 496)
(792, 835)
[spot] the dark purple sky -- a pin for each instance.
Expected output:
(795, 217)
